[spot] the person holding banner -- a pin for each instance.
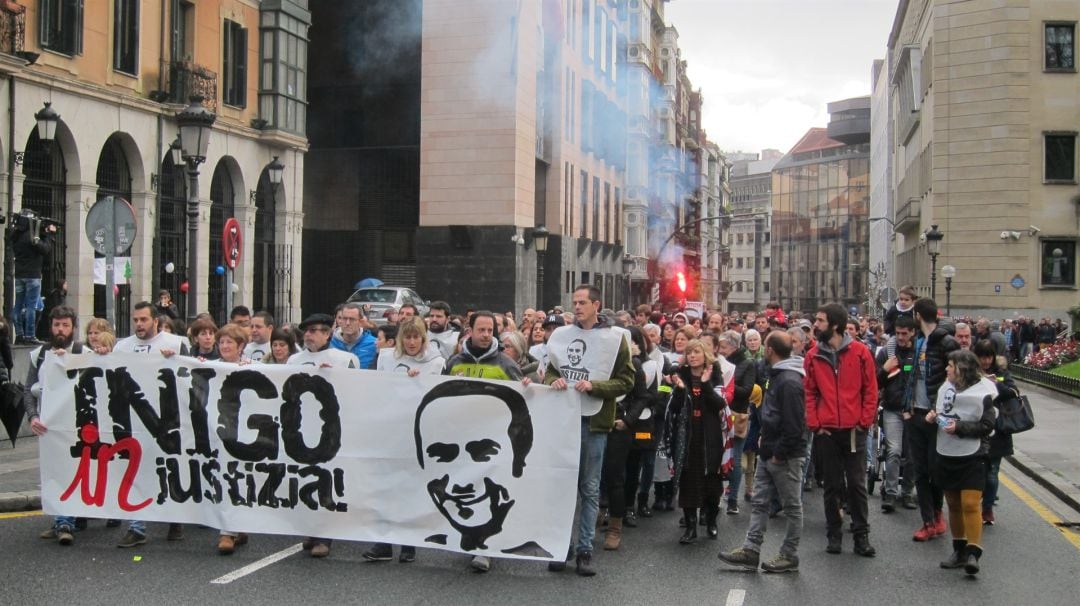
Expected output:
(317, 350)
(62, 326)
(231, 340)
(282, 347)
(700, 435)
(593, 358)
(410, 355)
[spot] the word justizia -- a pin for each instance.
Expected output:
(254, 476)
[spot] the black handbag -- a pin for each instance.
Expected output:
(1015, 415)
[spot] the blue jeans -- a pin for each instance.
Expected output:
(735, 477)
(138, 527)
(24, 313)
(772, 482)
(991, 491)
(64, 522)
(592, 463)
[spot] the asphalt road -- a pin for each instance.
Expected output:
(1027, 561)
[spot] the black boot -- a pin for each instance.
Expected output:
(971, 564)
(959, 555)
(711, 513)
(643, 506)
(690, 534)
(863, 546)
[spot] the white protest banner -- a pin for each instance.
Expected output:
(483, 467)
(585, 355)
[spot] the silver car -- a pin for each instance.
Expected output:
(381, 302)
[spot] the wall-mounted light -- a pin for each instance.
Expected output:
(47, 119)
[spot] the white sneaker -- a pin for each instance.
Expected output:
(481, 563)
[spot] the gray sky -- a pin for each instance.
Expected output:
(767, 68)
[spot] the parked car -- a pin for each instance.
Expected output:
(383, 301)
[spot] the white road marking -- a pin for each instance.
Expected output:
(263, 563)
(735, 597)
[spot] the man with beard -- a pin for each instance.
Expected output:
(471, 487)
(439, 330)
(841, 405)
(63, 322)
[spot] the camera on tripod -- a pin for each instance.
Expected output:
(28, 220)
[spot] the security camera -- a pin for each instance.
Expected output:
(1032, 230)
(1004, 235)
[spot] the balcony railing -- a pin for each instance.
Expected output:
(187, 79)
(12, 27)
(907, 216)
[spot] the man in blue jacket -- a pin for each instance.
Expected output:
(351, 336)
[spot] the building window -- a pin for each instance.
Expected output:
(738, 263)
(1060, 47)
(283, 58)
(766, 260)
(234, 65)
(596, 208)
(738, 238)
(1059, 263)
(1060, 157)
(126, 36)
(61, 26)
(765, 286)
(583, 204)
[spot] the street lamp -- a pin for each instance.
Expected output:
(275, 171)
(540, 242)
(176, 151)
(933, 248)
(47, 119)
(628, 264)
(948, 272)
(196, 122)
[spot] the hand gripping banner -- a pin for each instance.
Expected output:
(482, 467)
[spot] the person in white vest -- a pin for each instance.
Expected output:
(262, 326)
(440, 331)
(317, 350)
(965, 416)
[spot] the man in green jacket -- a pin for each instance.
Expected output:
(594, 429)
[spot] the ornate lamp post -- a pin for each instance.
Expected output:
(948, 272)
(933, 248)
(47, 119)
(196, 122)
(540, 241)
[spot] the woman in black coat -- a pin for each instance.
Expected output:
(696, 429)
(995, 368)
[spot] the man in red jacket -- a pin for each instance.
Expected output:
(841, 405)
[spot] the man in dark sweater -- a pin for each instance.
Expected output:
(782, 451)
(29, 248)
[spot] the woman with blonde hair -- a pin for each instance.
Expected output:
(697, 429)
(100, 336)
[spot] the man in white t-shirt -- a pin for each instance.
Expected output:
(262, 325)
(147, 340)
(317, 350)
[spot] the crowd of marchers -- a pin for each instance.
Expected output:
(698, 412)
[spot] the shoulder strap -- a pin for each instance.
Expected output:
(40, 358)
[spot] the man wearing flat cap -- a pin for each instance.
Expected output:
(317, 350)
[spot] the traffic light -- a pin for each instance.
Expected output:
(680, 282)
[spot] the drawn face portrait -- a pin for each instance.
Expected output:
(575, 352)
(470, 462)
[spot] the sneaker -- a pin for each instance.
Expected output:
(176, 532)
(584, 565)
(481, 563)
(379, 552)
(732, 508)
(924, 533)
(888, 504)
(320, 550)
(782, 563)
(408, 555)
(131, 539)
(65, 535)
(48, 534)
(940, 527)
(908, 502)
(835, 545)
(988, 518)
(630, 521)
(741, 558)
(226, 545)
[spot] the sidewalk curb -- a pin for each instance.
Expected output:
(1059, 487)
(20, 501)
